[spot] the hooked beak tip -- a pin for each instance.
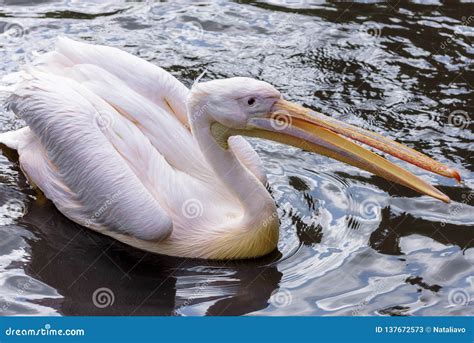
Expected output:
(456, 175)
(336, 139)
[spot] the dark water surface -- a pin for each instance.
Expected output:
(351, 243)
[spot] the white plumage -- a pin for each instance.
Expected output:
(108, 142)
(122, 147)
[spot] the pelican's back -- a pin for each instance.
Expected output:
(106, 138)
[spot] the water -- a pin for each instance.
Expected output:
(351, 243)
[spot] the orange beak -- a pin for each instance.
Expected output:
(295, 125)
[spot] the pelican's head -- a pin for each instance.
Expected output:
(244, 106)
(233, 102)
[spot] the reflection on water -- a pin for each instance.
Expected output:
(351, 243)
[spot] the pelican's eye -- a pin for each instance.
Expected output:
(251, 101)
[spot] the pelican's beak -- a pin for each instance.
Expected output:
(295, 125)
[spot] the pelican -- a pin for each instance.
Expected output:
(122, 147)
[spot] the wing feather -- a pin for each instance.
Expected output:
(151, 81)
(64, 120)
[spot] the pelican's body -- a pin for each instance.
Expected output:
(122, 147)
(108, 142)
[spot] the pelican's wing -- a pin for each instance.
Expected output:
(149, 80)
(68, 156)
(146, 94)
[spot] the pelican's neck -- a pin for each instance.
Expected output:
(236, 177)
(255, 233)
